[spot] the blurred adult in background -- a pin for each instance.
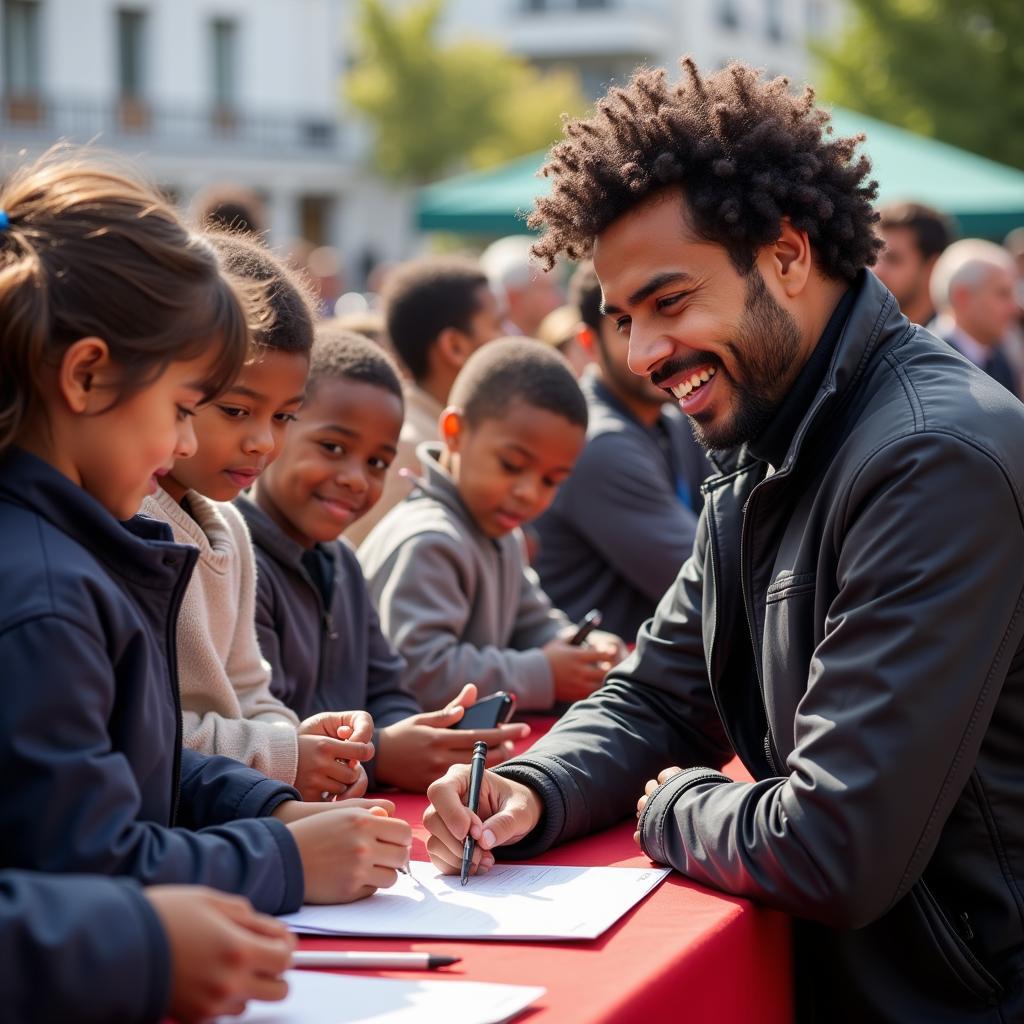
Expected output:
(915, 236)
(525, 291)
(561, 329)
(437, 312)
(624, 521)
(973, 291)
(1014, 245)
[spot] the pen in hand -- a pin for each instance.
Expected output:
(476, 775)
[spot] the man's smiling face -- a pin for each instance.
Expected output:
(715, 339)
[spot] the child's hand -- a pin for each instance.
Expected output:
(331, 747)
(578, 671)
(349, 853)
(292, 810)
(222, 952)
(611, 647)
(421, 748)
(508, 811)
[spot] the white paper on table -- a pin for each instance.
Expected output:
(315, 997)
(510, 901)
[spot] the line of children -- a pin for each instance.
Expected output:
(446, 567)
(146, 366)
(117, 323)
(316, 623)
(227, 702)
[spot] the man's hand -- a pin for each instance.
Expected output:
(350, 852)
(331, 746)
(222, 952)
(652, 784)
(420, 748)
(508, 811)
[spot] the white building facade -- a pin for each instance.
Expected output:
(606, 39)
(209, 95)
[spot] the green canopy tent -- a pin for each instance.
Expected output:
(986, 198)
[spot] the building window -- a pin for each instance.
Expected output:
(224, 53)
(728, 14)
(814, 18)
(131, 54)
(22, 77)
(773, 20)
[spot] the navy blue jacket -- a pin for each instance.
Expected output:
(81, 948)
(322, 658)
(95, 779)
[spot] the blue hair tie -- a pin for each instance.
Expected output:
(5, 221)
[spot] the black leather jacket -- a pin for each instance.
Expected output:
(880, 709)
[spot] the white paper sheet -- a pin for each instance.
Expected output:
(508, 902)
(315, 997)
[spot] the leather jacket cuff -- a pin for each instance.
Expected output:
(657, 815)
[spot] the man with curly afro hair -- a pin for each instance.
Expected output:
(851, 620)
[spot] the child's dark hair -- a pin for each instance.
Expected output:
(585, 294)
(511, 369)
(423, 297)
(338, 353)
(745, 153)
(90, 251)
(290, 328)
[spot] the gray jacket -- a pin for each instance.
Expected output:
(324, 656)
(882, 709)
(460, 607)
(596, 547)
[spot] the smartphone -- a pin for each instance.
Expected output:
(589, 622)
(488, 712)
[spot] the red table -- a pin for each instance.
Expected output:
(685, 954)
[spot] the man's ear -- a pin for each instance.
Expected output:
(788, 261)
(84, 375)
(449, 425)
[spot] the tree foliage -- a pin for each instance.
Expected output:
(437, 107)
(950, 69)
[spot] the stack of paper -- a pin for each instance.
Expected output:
(508, 902)
(318, 998)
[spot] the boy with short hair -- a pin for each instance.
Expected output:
(437, 312)
(446, 567)
(316, 624)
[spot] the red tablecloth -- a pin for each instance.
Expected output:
(685, 954)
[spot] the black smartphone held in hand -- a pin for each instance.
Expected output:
(585, 626)
(488, 712)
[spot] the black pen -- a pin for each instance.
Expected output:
(476, 776)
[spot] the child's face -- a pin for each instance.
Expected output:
(118, 454)
(241, 433)
(332, 468)
(507, 470)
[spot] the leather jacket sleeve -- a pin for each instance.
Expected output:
(655, 709)
(915, 648)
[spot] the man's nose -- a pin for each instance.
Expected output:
(648, 349)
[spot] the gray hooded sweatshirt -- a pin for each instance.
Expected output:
(458, 606)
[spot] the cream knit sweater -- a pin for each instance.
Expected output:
(227, 706)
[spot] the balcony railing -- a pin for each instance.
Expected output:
(136, 123)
